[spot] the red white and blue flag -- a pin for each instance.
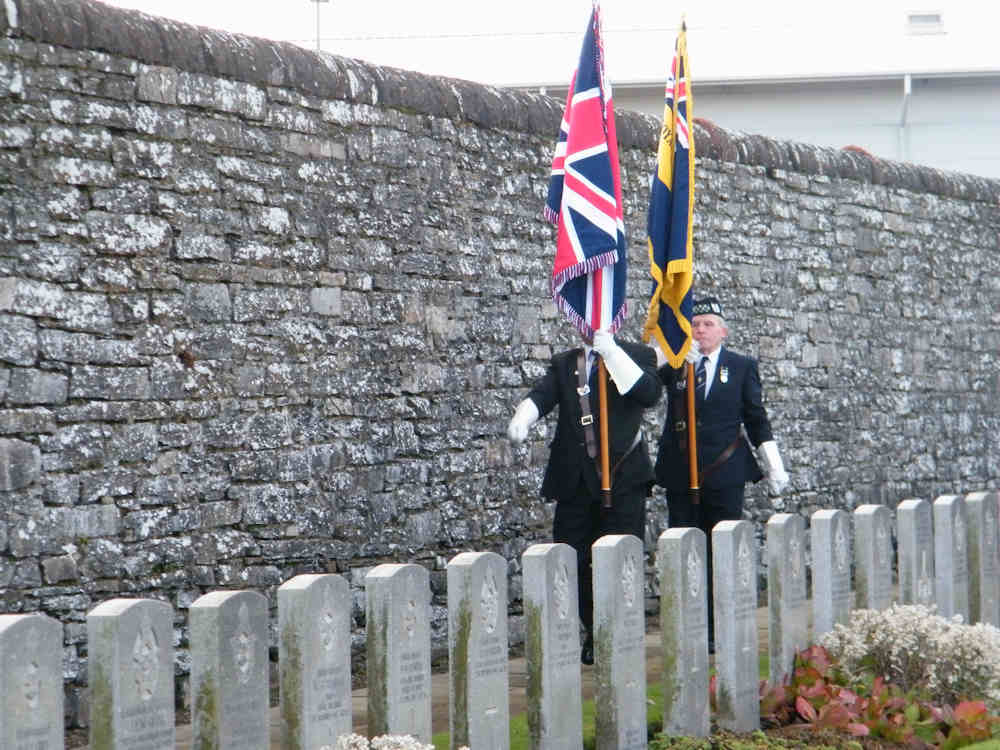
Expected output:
(585, 199)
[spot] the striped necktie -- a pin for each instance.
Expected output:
(699, 379)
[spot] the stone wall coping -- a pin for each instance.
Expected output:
(91, 25)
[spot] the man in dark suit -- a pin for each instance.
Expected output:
(571, 477)
(729, 412)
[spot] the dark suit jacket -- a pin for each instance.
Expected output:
(734, 400)
(568, 459)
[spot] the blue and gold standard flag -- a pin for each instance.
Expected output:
(671, 212)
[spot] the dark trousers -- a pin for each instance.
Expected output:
(725, 504)
(580, 521)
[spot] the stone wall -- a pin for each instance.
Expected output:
(265, 312)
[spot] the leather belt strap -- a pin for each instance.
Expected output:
(583, 391)
(635, 442)
(723, 457)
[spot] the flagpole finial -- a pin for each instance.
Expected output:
(684, 26)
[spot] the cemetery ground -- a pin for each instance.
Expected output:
(768, 738)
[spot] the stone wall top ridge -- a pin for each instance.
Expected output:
(91, 25)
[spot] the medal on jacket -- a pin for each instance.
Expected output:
(724, 375)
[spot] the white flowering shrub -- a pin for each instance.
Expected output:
(916, 649)
(382, 742)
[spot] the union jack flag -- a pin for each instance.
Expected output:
(585, 199)
(671, 213)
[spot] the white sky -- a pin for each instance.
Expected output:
(526, 42)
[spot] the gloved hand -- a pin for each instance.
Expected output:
(777, 478)
(693, 354)
(525, 415)
(661, 358)
(620, 366)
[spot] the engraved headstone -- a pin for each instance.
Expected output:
(915, 542)
(680, 562)
(872, 557)
(31, 684)
(788, 616)
(984, 568)
(552, 647)
(619, 642)
(734, 568)
(229, 671)
(398, 600)
(130, 668)
(830, 535)
(314, 660)
(479, 683)
(951, 556)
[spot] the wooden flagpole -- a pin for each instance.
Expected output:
(695, 490)
(602, 393)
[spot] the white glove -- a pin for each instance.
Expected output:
(661, 358)
(525, 415)
(620, 366)
(777, 478)
(693, 354)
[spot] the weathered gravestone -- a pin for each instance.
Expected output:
(984, 567)
(130, 667)
(734, 569)
(788, 616)
(552, 647)
(479, 685)
(398, 630)
(915, 544)
(831, 558)
(229, 671)
(619, 642)
(314, 660)
(680, 562)
(31, 684)
(951, 556)
(872, 557)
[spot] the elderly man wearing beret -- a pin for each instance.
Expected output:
(730, 417)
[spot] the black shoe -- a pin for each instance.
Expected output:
(587, 652)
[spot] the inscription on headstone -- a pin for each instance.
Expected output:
(983, 509)
(872, 557)
(915, 544)
(314, 660)
(680, 563)
(831, 581)
(619, 642)
(734, 568)
(229, 670)
(131, 674)
(478, 651)
(31, 685)
(552, 647)
(788, 618)
(399, 650)
(951, 556)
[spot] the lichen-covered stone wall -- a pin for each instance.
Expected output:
(266, 312)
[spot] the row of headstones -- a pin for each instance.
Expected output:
(131, 640)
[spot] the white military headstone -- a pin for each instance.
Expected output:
(872, 557)
(734, 568)
(619, 642)
(31, 683)
(830, 535)
(479, 683)
(984, 554)
(552, 647)
(680, 563)
(788, 615)
(951, 556)
(398, 628)
(130, 667)
(314, 660)
(230, 671)
(915, 544)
